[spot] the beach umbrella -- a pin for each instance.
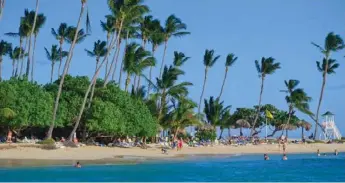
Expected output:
(288, 127)
(243, 123)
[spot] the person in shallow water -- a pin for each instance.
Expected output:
(77, 165)
(284, 157)
(266, 157)
(336, 152)
(318, 152)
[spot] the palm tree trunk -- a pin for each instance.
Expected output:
(134, 82)
(52, 72)
(115, 56)
(138, 84)
(221, 133)
(221, 90)
(273, 133)
(162, 64)
(302, 133)
(13, 67)
(128, 80)
(288, 120)
(176, 132)
(121, 69)
(161, 105)
(33, 59)
(17, 67)
(241, 133)
(60, 59)
(22, 64)
(93, 81)
(2, 5)
(30, 41)
(229, 132)
(150, 72)
(106, 63)
(115, 68)
(324, 77)
(56, 105)
(20, 55)
(259, 108)
(203, 89)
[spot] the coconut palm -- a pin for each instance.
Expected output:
(40, 21)
(99, 51)
(267, 66)
(66, 67)
(109, 28)
(60, 35)
(5, 49)
(173, 28)
(14, 56)
(296, 99)
(145, 29)
(156, 37)
(179, 59)
(215, 111)
(146, 62)
(181, 116)
(209, 60)
(53, 56)
(333, 43)
(230, 60)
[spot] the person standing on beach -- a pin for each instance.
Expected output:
(179, 144)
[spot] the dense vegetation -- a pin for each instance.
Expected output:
(145, 104)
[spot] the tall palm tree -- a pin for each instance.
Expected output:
(179, 59)
(230, 60)
(14, 56)
(333, 43)
(99, 51)
(41, 19)
(5, 49)
(209, 60)
(145, 29)
(267, 66)
(53, 56)
(215, 111)
(156, 37)
(109, 28)
(69, 57)
(296, 99)
(60, 35)
(173, 28)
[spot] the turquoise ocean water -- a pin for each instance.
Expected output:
(298, 167)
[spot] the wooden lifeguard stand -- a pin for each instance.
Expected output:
(330, 128)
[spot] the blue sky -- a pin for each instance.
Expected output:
(250, 29)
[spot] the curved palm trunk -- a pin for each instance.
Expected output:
(52, 72)
(258, 111)
(221, 90)
(107, 62)
(20, 55)
(162, 64)
(2, 5)
(33, 59)
(121, 69)
(22, 63)
(324, 77)
(0, 68)
(302, 133)
(138, 84)
(128, 80)
(134, 82)
(115, 68)
(30, 41)
(70, 53)
(60, 63)
(150, 72)
(203, 89)
(273, 133)
(90, 86)
(288, 120)
(17, 67)
(163, 98)
(221, 133)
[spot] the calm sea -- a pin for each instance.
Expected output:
(298, 167)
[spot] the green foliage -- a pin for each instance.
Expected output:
(48, 144)
(206, 134)
(31, 104)
(215, 111)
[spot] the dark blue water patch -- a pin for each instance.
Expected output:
(243, 168)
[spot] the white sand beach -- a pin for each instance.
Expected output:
(98, 153)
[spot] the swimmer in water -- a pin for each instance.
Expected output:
(266, 157)
(336, 152)
(318, 152)
(78, 165)
(284, 157)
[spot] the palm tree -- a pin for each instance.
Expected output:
(173, 28)
(156, 37)
(66, 67)
(333, 43)
(60, 35)
(230, 60)
(2, 5)
(99, 50)
(266, 67)
(145, 29)
(109, 28)
(14, 56)
(296, 99)
(167, 87)
(53, 56)
(209, 60)
(215, 111)
(181, 116)
(179, 59)
(40, 21)
(5, 49)
(146, 62)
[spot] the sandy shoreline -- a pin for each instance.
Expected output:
(30, 156)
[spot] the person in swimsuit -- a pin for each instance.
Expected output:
(284, 157)
(266, 157)
(77, 165)
(336, 152)
(318, 152)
